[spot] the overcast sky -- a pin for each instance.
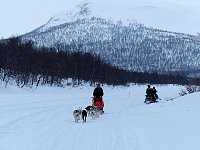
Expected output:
(21, 16)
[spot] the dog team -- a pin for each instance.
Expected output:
(92, 111)
(89, 111)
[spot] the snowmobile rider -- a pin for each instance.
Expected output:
(155, 96)
(98, 92)
(149, 90)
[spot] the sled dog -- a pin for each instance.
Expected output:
(89, 109)
(94, 113)
(77, 114)
(84, 115)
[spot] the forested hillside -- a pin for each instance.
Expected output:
(29, 65)
(130, 46)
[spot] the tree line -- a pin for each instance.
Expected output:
(26, 64)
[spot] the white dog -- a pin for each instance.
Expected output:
(77, 114)
(94, 113)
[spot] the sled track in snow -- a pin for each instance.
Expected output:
(49, 124)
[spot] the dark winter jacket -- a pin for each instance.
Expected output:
(154, 91)
(98, 92)
(149, 91)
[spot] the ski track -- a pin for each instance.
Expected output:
(58, 113)
(48, 124)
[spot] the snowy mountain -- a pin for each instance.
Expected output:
(98, 28)
(41, 119)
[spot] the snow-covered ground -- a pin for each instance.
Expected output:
(41, 119)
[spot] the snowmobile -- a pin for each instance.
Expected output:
(149, 99)
(98, 103)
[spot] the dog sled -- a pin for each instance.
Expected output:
(93, 110)
(98, 103)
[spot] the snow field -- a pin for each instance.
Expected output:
(42, 119)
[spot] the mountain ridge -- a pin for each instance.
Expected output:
(130, 45)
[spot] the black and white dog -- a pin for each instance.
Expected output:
(77, 114)
(92, 111)
(89, 109)
(80, 114)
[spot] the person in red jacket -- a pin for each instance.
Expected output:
(97, 99)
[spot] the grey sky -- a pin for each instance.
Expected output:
(21, 16)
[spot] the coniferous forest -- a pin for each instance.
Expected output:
(26, 64)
